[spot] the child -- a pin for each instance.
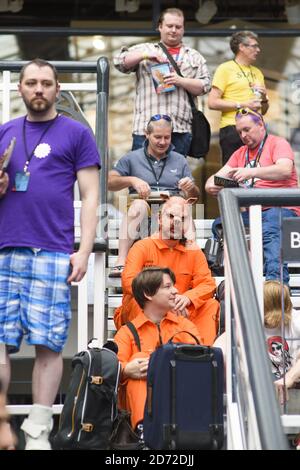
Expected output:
(283, 340)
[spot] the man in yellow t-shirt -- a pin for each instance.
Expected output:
(237, 84)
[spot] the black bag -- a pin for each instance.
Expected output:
(200, 126)
(200, 134)
(214, 252)
(123, 436)
(90, 405)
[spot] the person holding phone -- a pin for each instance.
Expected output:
(264, 161)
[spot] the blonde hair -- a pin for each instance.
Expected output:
(272, 304)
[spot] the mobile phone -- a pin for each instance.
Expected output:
(225, 182)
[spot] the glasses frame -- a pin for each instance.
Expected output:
(253, 46)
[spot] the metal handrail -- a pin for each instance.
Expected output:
(61, 65)
(267, 411)
(102, 122)
(197, 32)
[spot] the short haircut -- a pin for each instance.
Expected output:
(273, 304)
(148, 281)
(170, 11)
(39, 63)
(241, 37)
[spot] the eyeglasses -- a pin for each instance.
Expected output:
(158, 117)
(254, 46)
(246, 111)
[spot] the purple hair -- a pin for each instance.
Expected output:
(256, 117)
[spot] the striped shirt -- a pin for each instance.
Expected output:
(175, 103)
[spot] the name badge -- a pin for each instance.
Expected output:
(21, 181)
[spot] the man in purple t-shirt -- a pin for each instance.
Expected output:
(37, 263)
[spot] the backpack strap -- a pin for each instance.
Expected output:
(135, 334)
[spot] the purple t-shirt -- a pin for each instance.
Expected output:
(43, 216)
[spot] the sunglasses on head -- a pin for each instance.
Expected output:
(246, 111)
(158, 117)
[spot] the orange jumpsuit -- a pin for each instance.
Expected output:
(133, 391)
(193, 279)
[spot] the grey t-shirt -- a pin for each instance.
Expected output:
(168, 171)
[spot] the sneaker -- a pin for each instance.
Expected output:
(37, 428)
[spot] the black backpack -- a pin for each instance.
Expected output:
(90, 406)
(214, 252)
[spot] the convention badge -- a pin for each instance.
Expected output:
(21, 181)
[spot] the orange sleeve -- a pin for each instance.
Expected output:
(135, 262)
(203, 284)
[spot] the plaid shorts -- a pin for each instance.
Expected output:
(34, 298)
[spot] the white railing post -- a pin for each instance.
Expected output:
(256, 250)
(6, 87)
(99, 298)
(82, 302)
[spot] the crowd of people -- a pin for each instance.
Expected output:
(167, 285)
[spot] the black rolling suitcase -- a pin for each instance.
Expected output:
(184, 407)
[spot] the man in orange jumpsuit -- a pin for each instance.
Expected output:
(155, 293)
(194, 281)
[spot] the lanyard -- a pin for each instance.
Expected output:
(148, 158)
(246, 77)
(254, 162)
(29, 155)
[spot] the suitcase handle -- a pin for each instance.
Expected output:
(192, 352)
(187, 332)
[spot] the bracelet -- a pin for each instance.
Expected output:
(145, 55)
(264, 101)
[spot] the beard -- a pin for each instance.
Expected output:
(37, 105)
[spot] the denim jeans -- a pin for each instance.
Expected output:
(180, 141)
(271, 232)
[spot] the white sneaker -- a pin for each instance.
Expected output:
(37, 428)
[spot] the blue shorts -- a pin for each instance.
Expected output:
(34, 298)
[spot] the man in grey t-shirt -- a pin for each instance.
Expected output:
(153, 168)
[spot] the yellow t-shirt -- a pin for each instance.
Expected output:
(235, 86)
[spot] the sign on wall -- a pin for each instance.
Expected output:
(291, 239)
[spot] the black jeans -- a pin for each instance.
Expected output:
(229, 142)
